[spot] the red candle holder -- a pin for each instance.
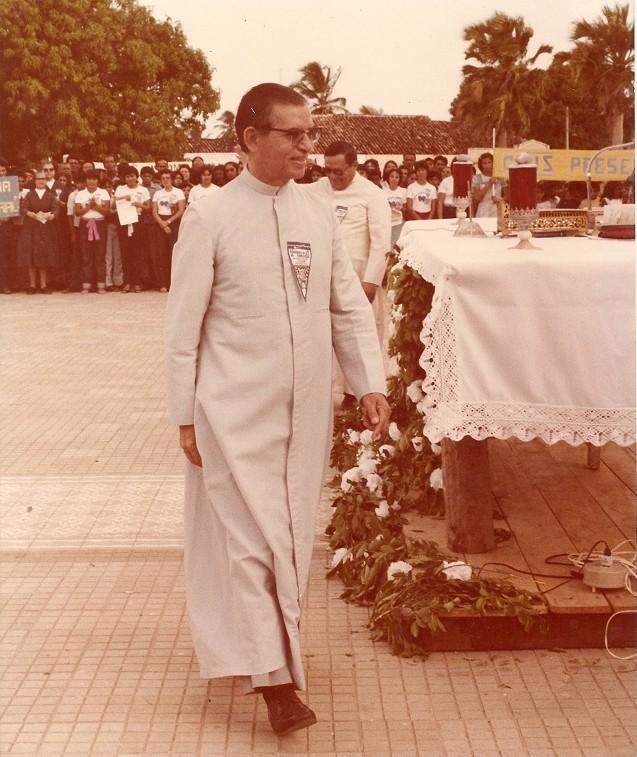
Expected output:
(523, 199)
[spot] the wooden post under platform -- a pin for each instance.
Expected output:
(469, 501)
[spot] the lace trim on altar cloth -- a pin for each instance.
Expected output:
(575, 425)
(447, 417)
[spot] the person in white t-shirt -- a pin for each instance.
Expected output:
(421, 195)
(205, 186)
(445, 207)
(130, 234)
(396, 197)
(75, 266)
(92, 206)
(169, 204)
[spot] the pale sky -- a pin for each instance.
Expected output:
(404, 56)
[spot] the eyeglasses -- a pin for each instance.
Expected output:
(48, 169)
(296, 135)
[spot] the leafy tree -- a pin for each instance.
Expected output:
(502, 91)
(97, 76)
(603, 61)
(226, 124)
(368, 110)
(317, 85)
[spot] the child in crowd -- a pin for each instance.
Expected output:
(420, 194)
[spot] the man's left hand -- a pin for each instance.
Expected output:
(369, 289)
(376, 412)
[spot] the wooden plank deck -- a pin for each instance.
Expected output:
(553, 504)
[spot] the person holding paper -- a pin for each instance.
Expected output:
(130, 199)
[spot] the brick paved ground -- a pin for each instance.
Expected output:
(96, 652)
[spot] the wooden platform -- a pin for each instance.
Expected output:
(552, 503)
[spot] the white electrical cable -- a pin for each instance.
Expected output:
(612, 654)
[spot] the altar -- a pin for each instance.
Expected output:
(531, 344)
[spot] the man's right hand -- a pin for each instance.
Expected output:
(188, 444)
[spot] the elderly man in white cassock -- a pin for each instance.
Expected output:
(261, 292)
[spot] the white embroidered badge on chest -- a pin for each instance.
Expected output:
(341, 212)
(300, 254)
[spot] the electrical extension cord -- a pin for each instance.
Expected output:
(604, 575)
(607, 569)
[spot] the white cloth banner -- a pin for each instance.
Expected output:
(526, 343)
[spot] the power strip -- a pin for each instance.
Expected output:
(607, 574)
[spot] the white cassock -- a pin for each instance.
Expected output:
(365, 217)
(249, 362)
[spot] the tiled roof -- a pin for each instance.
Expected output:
(392, 135)
(372, 135)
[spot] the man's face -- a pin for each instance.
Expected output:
(206, 178)
(91, 184)
(109, 163)
(3, 170)
(439, 165)
(147, 178)
(279, 155)
(166, 181)
(339, 172)
(131, 180)
(409, 158)
(49, 171)
(161, 164)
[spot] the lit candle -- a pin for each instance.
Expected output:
(523, 183)
(462, 172)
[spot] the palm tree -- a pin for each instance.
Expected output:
(369, 110)
(504, 90)
(226, 124)
(603, 61)
(317, 85)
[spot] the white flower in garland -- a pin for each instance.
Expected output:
(423, 406)
(387, 450)
(457, 569)
(396, 505)
(367, 466)
(397, 568)
(374, 482)
(351, 476)
(435, 479)
(414, 391)
(341, 555)
(366, 437)
(382, 511)
(391, 329)
(353, 437)
(394, 431)
(417, 443)
(393, 368)
(436, 449)
(397, 313)
(391, 296)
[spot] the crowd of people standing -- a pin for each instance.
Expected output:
(73, 233)
(69, 234)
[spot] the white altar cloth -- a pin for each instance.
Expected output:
(526, 343)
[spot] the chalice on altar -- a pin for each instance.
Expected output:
(523, 199)
(462, 172)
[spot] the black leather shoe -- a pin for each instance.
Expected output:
(286, 712)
